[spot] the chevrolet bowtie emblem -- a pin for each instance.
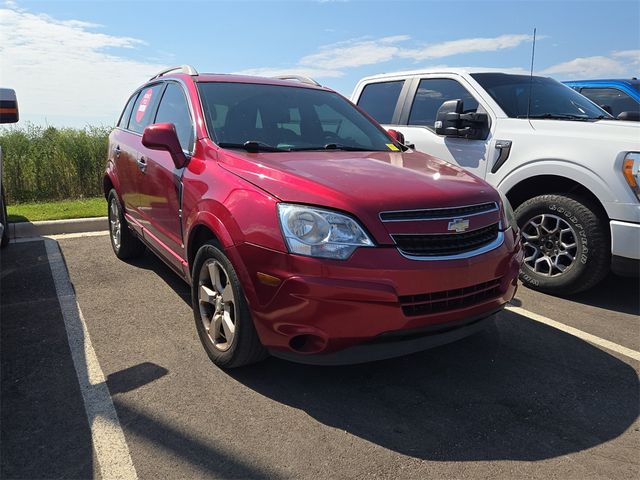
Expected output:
(459, 225)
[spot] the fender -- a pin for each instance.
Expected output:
(215, 225)
(113, 178)
(560, 168)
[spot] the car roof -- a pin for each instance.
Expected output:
(613, 81)
(454, 70)
(235, 78)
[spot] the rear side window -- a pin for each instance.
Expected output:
(124, 118)
(380, 99)
(432, 93)
(144, 106)
(616, 99)
(173, 109)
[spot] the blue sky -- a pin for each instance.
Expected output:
(73, 63)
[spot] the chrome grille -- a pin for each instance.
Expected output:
(436, 213)
(434, 245)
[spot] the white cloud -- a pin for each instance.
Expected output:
(355, 53)
(465, 45)
(61, 68)
(304, 71)
(331, 60)
(621, 63)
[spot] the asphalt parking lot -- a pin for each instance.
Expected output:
(519, 400)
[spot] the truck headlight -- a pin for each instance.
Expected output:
(509, 216)
(316, 232)
(631, 171)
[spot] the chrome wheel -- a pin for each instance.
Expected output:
(550, 245)
(115, 226)
(217, 304)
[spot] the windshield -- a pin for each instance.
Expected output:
(549, 98)
(279, 118)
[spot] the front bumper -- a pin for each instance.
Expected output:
(320, 306)
(625, 239)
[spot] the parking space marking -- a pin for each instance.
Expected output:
(61, 236)
(601, 342)
(108, 439)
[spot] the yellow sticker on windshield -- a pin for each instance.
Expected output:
(393, 147)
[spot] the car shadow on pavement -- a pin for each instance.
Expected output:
(518, 391)
(619, 294)
(150, 261)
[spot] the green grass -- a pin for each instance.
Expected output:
(82, 208)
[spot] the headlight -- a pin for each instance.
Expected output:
(320, 233)
(509, 216)
(631, 171)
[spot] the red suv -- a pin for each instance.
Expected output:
(304, 228)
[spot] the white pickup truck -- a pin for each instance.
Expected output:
(569, 169)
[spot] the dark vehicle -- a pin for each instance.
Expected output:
(620, 97)
(8, 114)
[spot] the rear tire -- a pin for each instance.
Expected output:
(566, 244)
(124, 242)
(221, 312)
(5, 221)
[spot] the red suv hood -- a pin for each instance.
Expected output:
(350, 181)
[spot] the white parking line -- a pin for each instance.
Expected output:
(61, 236)
(108, 439)
(601, 342)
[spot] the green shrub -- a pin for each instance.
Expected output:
(48, 163)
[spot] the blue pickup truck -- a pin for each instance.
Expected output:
(616, 96)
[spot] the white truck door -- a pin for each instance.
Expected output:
(416, 122)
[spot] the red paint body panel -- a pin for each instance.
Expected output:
(234, 194)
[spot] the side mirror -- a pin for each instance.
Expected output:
(396, 135)
(632, 115)
(8, 106)
(451, 122)
(163, 136)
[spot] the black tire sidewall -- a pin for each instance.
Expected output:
(590, 241)
(130, 244)
(5, 220)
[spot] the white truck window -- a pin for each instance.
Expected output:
(379, 100)
(431, 94)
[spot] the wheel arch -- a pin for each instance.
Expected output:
(548, 184)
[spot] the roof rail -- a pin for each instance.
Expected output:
(299, 78)
(188, 69)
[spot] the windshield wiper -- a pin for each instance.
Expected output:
(348, 148)
(557, 116)
(253, 146)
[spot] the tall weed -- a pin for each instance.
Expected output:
(48, 163)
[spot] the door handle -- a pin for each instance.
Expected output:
(142, 164)
(116, 151)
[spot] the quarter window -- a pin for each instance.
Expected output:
(380, 99)
(616, 99)
(173, 109)
(143, 108)
(124, 118)
(431, 94)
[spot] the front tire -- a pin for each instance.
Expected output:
(221, 312)
(566, 244)
(124, 242)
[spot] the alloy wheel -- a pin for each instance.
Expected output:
(217, 304)
(550, 245)
(115, 227)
